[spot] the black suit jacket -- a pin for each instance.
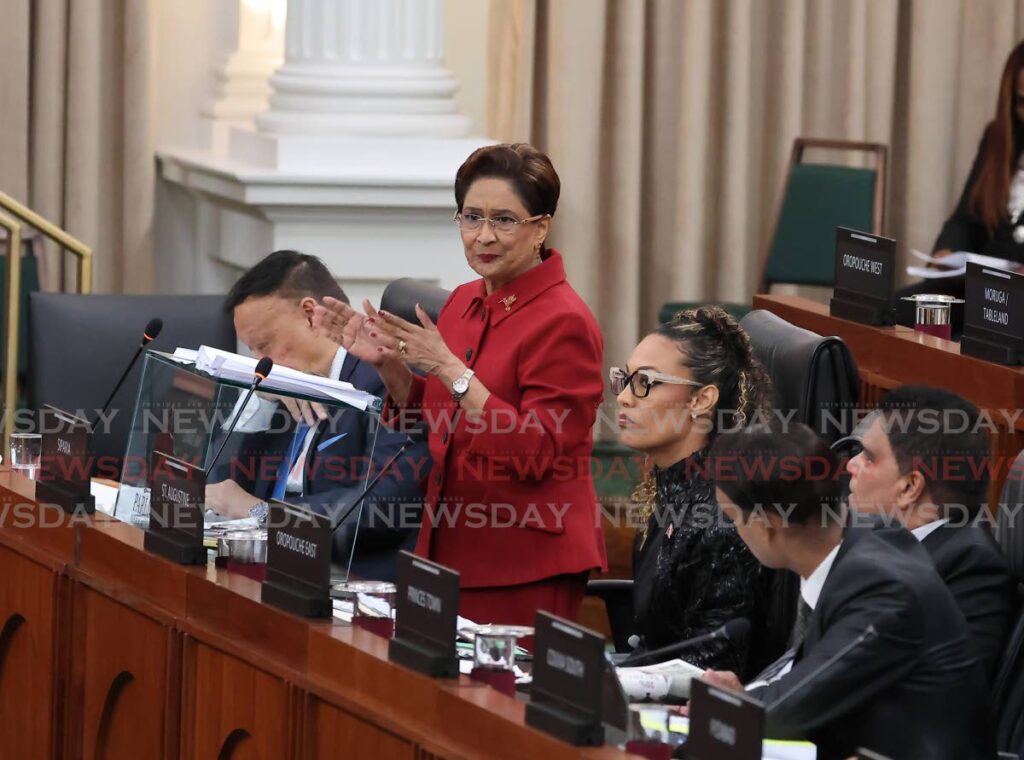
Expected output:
(885, 662)
(342, 457)
(972, 566)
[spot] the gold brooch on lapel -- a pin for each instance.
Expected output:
(508, 301)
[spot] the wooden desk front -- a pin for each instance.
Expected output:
(107, 651)
(891, 356)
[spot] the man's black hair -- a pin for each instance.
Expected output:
(287, 274)
(790, 471)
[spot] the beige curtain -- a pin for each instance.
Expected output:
(671, 123)
(76, 133)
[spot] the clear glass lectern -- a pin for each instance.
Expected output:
(187, 413)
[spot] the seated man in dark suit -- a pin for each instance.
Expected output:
(924, 464)
(318, 459)
(883, 661)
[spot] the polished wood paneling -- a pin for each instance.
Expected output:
(232, 710)
(331, 733)
(113, 652)
(348, 667)
(30, 596)
(120, 668)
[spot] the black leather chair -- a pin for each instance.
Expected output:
(80, 344)
(1008, 687)
(401, 296)
(815, 376)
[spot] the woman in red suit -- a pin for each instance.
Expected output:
(511, 389)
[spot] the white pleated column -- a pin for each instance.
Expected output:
(364, 67)
(241, 86)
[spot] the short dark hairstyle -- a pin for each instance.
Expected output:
(287, 274)
(937, 433)
(789, 470)
(526, 168)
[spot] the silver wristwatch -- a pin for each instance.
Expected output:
(260, 510)
(460, 386)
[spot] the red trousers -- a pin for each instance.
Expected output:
(518, 605)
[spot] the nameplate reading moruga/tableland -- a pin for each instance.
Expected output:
(298, 561)
(993, 315)
(426, 616)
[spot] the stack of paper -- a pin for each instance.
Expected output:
(370, 606)
(228, 366)
(955, 264)
(658, 682)
(105, 495)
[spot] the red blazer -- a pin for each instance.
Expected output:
(510, 498)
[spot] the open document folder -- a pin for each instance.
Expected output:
(955, 264)
(237, 368)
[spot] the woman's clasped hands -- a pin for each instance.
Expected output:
(379, 337)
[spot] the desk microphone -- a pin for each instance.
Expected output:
(335, 524)
(731, 631)
(263, 367)
(153, 328)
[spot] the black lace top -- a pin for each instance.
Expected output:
(692, 571)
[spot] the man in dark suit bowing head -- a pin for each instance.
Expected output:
(306, 454)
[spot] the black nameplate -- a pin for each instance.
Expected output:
(298, 561)
(64, 463)
(993, 315)
(723, 724)
(426, 616)
(865, 276)
(177, 497)
(567, 694)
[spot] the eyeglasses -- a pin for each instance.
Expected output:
(502, 223)
(642, 380)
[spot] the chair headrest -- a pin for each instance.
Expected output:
(401, 296)
(811, 374)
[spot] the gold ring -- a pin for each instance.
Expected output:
(401, 347)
